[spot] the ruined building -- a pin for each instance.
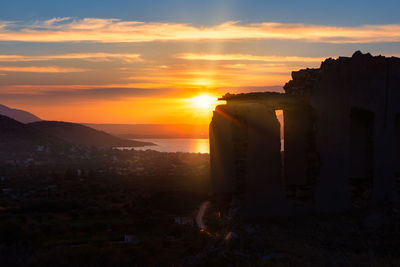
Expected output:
(341, 140)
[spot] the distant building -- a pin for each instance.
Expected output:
(50, 187)
(341, 140)
(131, 239)
(6, 191)
(184, 220)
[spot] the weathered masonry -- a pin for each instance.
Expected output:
(341, 140)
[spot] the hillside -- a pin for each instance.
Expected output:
(17, 136)
(18, 115)
(74, 133)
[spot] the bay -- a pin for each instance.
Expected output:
(190, 145)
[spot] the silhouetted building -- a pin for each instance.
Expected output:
(341, 140)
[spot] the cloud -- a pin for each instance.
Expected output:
(128, 58)
(85, 95)
(245, 57)
(115, 30)
(248, 89)
(49, 69)
(52, 22)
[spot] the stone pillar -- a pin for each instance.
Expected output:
(264, 195)
(221, 152)
(300, 158)
(387, 141)
(332, 185)
(397, 160)
(384, 183)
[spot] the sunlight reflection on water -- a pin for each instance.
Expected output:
(177, 145)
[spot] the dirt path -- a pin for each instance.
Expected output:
(200, 215)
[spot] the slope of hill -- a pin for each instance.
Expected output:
(18, 115)
(74, 133)
(16, 136)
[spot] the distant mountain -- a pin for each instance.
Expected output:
(154, 130)
(16, 136)
(18, 115)
(74, 133)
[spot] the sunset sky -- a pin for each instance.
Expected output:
(153, 61)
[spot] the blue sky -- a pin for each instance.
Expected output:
(205, 12)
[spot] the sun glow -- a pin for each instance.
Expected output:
(204, 102)
(203, 82)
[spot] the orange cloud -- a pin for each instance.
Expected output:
(115, 30)
(245, 57)
(49, 69)
(83, 56)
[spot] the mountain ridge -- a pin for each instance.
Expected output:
(79, 134)
(18, 114)
(17, 136)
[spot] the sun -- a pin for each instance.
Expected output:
(201, 106)
(204, 102)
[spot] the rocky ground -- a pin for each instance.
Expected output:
(362, 238)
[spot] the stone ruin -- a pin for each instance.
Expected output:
(341, 141)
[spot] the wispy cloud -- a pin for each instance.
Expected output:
(22, 89)
(85, 95)
(81, 56)
(48, 69)
(52, 22)
(245, 57)
(115, 30)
